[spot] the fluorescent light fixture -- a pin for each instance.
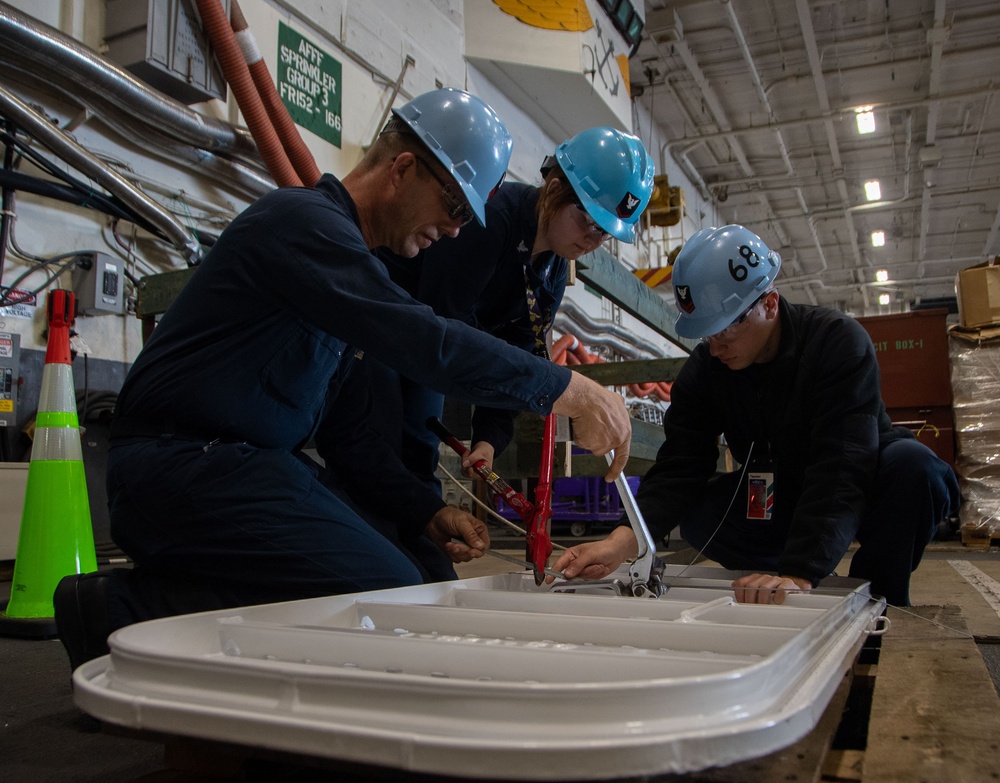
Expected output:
(873, 190)
(878, 238)
(866, 119)
(883, 299)
(882, 275)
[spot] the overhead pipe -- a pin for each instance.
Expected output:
(680, 158)
(602, 340)
(70, 151)
(640, 349)
(34, 47)
(813, 214)
(407, 62)
(288, 132)
(823, 100)
(936, 35)
(939, 193)
(808, 285)
(752, 70)
(737, 30)
(676, 39)
(234, 68)
(835, 114)
(147, 117)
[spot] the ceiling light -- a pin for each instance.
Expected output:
(882, 275)
(873, 191)
(878, 238)
(866, 119)
(883, 299)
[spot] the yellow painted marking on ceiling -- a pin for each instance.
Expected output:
(623, 66)
(570, 15)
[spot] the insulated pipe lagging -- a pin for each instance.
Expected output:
(36, 48)
(569, 351)
(571, 310)
(234, 68)
(288, 132)
(66, 148)
(131, 107)
(598, 339)
(560, 346)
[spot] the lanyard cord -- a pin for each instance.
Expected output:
(739, 484)
(539, 323)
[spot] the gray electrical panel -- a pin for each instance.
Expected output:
(99, 284)
(10, 357)
(162, 42)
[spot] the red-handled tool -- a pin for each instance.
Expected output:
(539, 537)
(511, 496)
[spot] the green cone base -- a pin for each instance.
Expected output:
(56, 537)
(31, 628)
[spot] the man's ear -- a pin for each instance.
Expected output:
(403, 165)
(771, 304)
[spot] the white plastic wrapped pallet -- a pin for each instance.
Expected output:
(975, 378)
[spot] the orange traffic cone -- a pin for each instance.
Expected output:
(56, 538)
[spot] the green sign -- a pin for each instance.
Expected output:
(309, 84)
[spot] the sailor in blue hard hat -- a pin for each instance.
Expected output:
(795, 392)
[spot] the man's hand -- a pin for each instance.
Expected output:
(597, 559)
(480, 451)
(768, 588)
(451, 522)
(600, 420)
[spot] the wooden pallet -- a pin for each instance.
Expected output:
(935, 713)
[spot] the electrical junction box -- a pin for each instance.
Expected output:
(163, 43)
(99, 284)
(10, 357)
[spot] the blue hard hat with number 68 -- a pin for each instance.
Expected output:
(718, 274)
(467, 136)
(612, 176)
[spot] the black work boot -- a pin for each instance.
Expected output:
(81, 613)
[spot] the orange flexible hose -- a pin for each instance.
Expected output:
(234, 68)
(569, 351)
(560, 346)
(288, 132)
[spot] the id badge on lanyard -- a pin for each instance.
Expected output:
(760, 495)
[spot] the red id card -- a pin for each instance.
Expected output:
(760, 495)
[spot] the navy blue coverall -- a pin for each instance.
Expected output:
(481, 277)
(814, 418)
(209, 493)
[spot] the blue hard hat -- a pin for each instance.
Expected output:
(612, 175)
(718, 274)
(466, 136)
